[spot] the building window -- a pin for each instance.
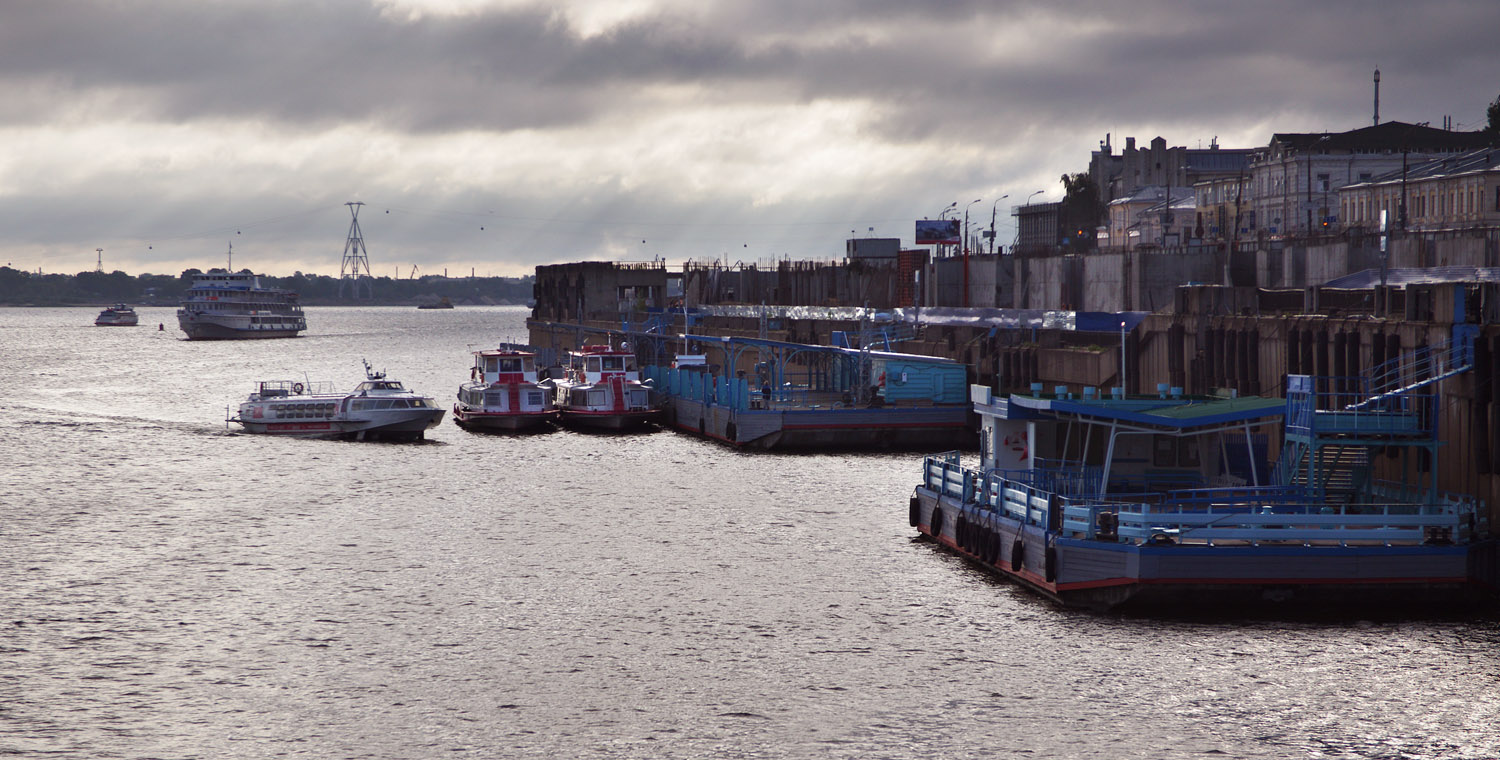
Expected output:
(1322, 183)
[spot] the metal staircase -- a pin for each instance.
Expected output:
(1415, 370)
(1338, 471)
(1330, 440)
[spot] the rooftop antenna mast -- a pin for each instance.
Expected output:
(229, 257)
(356, 258)
(99, 267)
(1377, 97)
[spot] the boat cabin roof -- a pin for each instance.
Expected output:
(380, 385)
(591, 350)
(1183, 415)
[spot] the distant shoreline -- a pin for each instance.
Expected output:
(305, 304)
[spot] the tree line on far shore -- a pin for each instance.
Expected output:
(19, 288)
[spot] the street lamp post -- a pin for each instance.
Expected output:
(992, 221)
(1021, 220)
(966, 225)
(965, 243)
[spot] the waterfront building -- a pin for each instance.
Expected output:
(1122, 175)
(1452, 193)
(1151, 217)
(1295, 180)
(1221, 208)
(1038, 227)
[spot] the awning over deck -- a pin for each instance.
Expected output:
(1180, 416)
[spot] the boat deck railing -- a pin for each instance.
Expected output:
(1349, 406)
(271, 388)
(739, 394)
(1209, 516)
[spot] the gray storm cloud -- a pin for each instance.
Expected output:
(763, 128)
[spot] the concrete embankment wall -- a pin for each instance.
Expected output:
(1215, 343)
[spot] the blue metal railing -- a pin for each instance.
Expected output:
(1249, 515)
(1348, 406)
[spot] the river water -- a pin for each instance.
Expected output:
(175, 589)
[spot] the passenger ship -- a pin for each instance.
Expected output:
(119, 315)
(603, 390)
(503, 393)
(224, 305)
(1168, 503)
(377, 409)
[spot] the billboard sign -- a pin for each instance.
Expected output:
(937, 232)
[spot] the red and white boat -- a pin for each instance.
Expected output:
(603, 390)
(503, 393)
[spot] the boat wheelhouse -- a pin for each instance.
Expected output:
(1170, 502)
(224, 305)
(119, 315)
(378, 408)
(603, 390)
(503, 393)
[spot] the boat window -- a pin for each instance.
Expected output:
(1187, 452)
(597, 398)
(593, 364)
(614, 363)
(1164, 452)
(534, 398)
(1171, 451)
(510, 365)
(490, 363)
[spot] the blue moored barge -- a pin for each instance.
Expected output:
(1169, 502)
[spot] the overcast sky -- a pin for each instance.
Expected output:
(501, 134)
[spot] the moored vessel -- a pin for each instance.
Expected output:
(119, 315)
(224, 305)
(376, 409)
(1169, 503)
(789, 396)
(603, 391)
(503, 393)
